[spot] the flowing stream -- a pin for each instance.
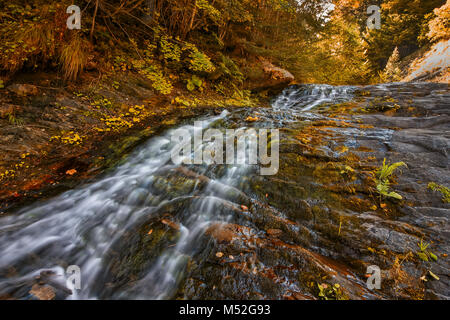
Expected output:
(89, 226)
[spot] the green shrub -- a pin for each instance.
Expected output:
(442, 189)
(170, 51)
(197, 60)
(382, 179)
(425, 254)
(194, 83)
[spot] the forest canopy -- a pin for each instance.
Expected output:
(217, 40)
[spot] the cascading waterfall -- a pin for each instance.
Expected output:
(80, 226)
(305, 97)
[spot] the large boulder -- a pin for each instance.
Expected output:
(268, 77)
(23, 89)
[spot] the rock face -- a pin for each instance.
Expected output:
(273, 78)
(433, 65)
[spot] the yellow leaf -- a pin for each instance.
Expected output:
(342, 149)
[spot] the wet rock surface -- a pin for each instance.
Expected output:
(155, 230)
(23, 89)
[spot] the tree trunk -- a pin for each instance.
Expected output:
(93, 21)
(151, 4)
(194, 13)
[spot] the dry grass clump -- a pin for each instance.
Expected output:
(74, 57)
(35, 36)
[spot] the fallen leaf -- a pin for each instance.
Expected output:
(251, 119)
(433, 275)
(244, 208)
(171, 224)
(274, 232)
(383, 205)
(42, 292)
(343, 149)
(219, 254)
(150, 232)
(298, 296)
(71, 172)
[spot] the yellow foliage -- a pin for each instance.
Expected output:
(72, 138)
(11, 172)
(135, 114)
(440, 26)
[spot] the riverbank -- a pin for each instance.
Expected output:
(55, 135)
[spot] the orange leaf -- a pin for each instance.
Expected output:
(171, 224)
(251, 119)
(71, 172)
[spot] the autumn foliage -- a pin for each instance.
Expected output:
(312, 39)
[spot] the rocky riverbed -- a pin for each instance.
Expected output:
(152, 229)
